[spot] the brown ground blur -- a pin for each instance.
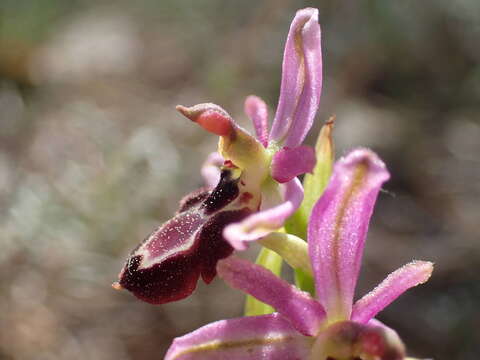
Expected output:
(93, 156)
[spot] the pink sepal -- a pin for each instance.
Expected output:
(268, 337)
(301, 80)
(338, 228)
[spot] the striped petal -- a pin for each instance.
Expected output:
(305, 313)
(267, 337)
(301, 80)
(338, 228)
(395, 284)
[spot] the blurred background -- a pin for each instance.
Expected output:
(93, 156)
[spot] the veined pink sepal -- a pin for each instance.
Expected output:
(338, 228)
(301, 80)
(254, 337)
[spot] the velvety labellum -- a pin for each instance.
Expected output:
(166, 266)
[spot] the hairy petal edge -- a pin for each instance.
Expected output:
(338, 227)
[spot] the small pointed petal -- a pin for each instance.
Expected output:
(211, 169)
(265, 221)
(338, 228)
(291, 248)
(301, 80)
(268, 337)
(305, 313)
(408, 276)
(257, 111)
(288, 163)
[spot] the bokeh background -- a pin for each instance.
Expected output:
(93, 156)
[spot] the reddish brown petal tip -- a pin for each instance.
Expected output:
(211, 117)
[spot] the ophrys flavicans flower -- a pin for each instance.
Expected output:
(258, 189)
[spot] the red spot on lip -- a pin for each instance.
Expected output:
(246, 197)
(242, 182)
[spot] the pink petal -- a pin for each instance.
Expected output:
(305, 313)
(301, 80)
(338, 228)
(257, 111)
(211, 169)
(289, 163)
(264, 222)
(408, 276)
(267, 337)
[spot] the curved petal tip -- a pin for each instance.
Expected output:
(209, 116)
(301, 84)
(365, 158)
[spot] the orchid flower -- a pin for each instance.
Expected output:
(257, 188)
(330, 326)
